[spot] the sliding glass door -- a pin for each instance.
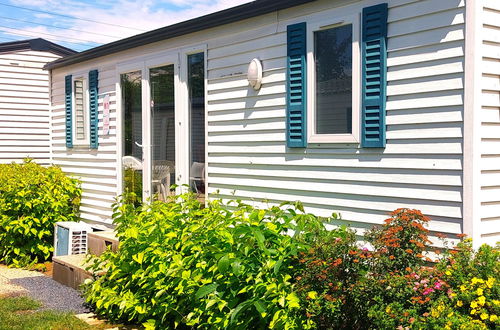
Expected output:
(163, 126)
(132, 169)
(162, 96)
(196, 87)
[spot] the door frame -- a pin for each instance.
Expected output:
(122, 68)
(143, 65)
(170, 58)
(185, 115)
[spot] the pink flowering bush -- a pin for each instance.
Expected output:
(401, 298)
(394, 286)
(328, 272)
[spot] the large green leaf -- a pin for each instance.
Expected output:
(277, 266)
(206, 290)
(224, 264)
(240, 308)
(260, 306)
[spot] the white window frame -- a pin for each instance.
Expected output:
(325, 24)
(178, 57)
(143, 65)
(185, 115)
(86, 114)
(122, 68)
(168, 58)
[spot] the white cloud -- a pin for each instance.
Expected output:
(143, 15)
(43, 16)
(32, 3)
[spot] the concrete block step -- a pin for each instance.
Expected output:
(98, 242)
(71, 270)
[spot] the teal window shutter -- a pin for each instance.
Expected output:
(69, 114)
(374, 71)
(296, 128)
(93, 108)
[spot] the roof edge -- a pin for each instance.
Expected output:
(37, 44)
(227, 16)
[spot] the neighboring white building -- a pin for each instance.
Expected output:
(24, 99)
(365, 106)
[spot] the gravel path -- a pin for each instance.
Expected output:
(50, 293)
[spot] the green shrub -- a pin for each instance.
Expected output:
(399, 287)
(400, 298)
(393, 286)
(474, 279)
(132, 185)
(462, 263)
(466, 296)
(344, 286)
(232, 266)
(326, 274)
(32, 199)
(400, 241)
(218, 266)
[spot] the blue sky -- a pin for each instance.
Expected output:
(55, 20)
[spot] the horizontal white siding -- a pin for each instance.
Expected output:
(24, 106)
(490, 122)
(95, 168)
(247, 155)
(421, 167)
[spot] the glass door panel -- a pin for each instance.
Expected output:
(196, 86)
(161, 82)
(131, 89)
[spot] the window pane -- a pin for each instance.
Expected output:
(333, 85)
(196, 85)
(132, 132)
(163, 129)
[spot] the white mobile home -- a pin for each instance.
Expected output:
(356, 107)
(24, 99)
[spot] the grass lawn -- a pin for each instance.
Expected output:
(22, 313)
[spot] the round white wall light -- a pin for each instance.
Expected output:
(254, 74)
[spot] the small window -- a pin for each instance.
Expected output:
(196, 87)
(333, 107)
(80, 111)
(333, 57)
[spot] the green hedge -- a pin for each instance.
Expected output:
(182, 265)
(395, 284)
(32, 199)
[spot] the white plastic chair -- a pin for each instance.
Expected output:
(197, 173)
(161, 178)
(131, 162)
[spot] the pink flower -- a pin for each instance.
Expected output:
(450, 293)
(365, 249)
(427, 291)
(438, 285)
(338, 239)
